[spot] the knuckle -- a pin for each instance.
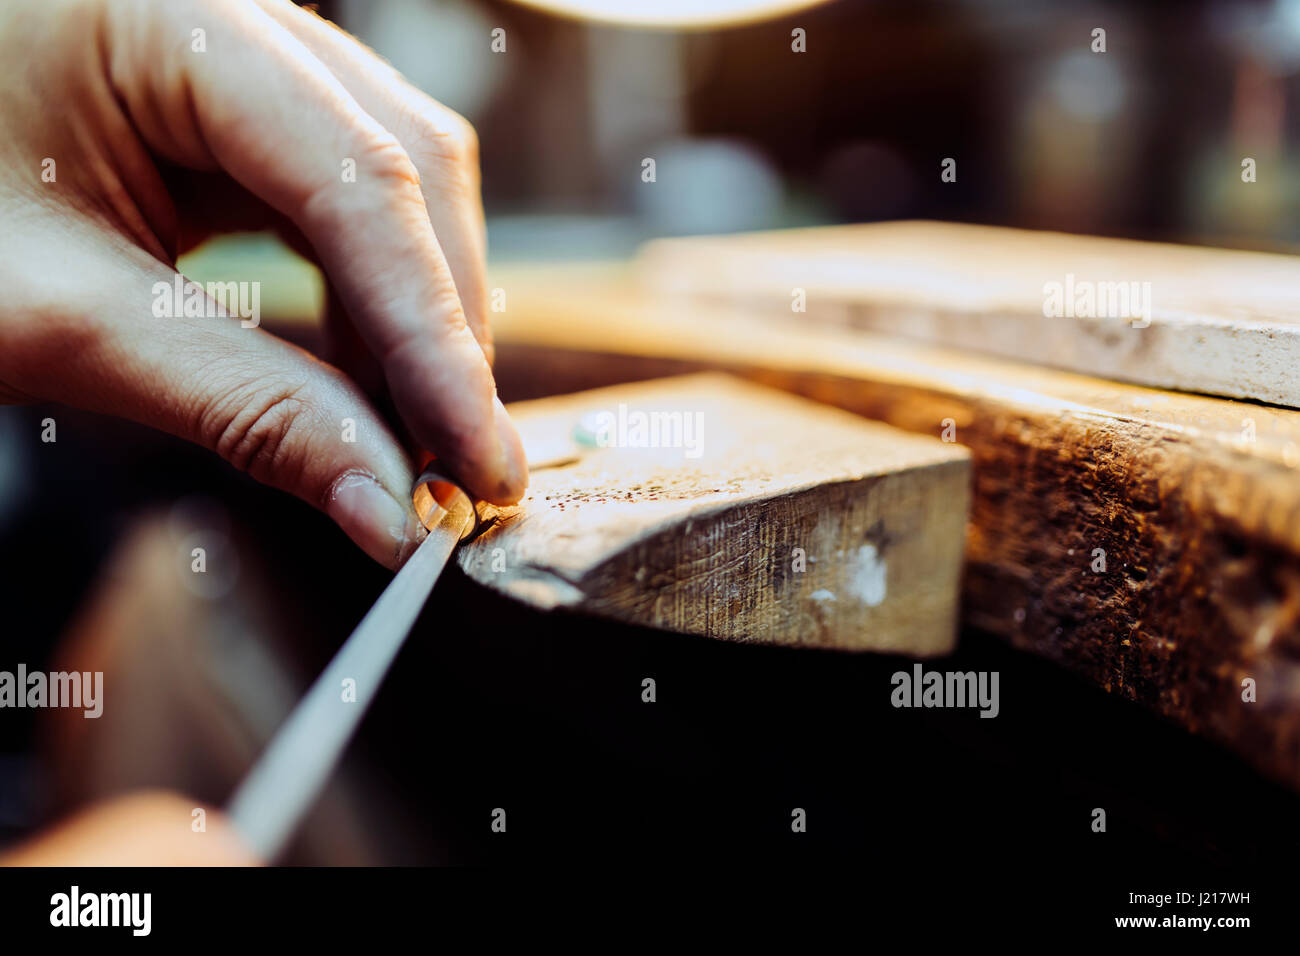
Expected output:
(442, 134)
(389, 177)
(466, 139)
(487, 344)
(384, 158)
(449, 312)
(420, 347)
(257, 433)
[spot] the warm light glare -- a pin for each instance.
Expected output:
(672, 13)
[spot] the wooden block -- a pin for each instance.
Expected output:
(1195, 319)
(759, 517)
(1194, 501)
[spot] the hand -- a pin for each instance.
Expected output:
(133, 129)
(152, 828)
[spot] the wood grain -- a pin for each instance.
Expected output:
(1195, 501)
(760, 517)
(1220, 322)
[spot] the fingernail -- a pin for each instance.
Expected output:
(514, 467)
(371, 517)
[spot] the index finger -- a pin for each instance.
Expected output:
(256, 102)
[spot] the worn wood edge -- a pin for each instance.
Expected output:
(614, 321)
(1210, 557)
(1223, 322)
(600, 589)
(610, 583)
(970, 267)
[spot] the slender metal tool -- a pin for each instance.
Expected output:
(284, 783)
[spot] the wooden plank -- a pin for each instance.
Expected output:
(708, 505)
(1194, 501)
(1196, 319)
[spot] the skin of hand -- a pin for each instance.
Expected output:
(132, 130)
(150, 828)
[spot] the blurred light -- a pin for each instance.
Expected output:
(438, 46)
(551, 237)
(1087, 85)
(671, 13)
(1267, 33)
(15, 461)
(202, 528)
(708, 186)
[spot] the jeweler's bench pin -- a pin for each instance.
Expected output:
(284, 783)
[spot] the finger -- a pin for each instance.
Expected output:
(439, 141)
(264, 405)
(140, 829)
(273, 117)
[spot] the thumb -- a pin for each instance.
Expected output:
(266, 406)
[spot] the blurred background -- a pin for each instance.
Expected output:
(1143, 141)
